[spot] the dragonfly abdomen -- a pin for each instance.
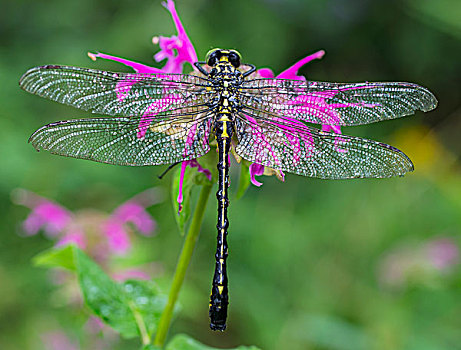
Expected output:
(219, 298)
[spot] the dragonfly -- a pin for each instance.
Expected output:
(154, 119)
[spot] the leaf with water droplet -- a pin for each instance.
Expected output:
(132, 308)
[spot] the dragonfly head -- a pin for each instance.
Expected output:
(218, 55)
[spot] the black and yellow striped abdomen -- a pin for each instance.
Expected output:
(219, 293)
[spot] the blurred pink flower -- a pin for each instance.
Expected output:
(76, 237)
(443, 253)
(46, 215)
(127, 274)
(108, 234)
(421, 263)
(58, 340)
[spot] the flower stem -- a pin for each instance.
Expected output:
(141, 325)
(183, 263)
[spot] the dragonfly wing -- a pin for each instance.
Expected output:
(116, 140)
(307, 151)
(119, 94)
(335, 103)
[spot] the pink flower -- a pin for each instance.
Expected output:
(290, 73)
(177, 50)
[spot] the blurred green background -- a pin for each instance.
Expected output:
(313, 264)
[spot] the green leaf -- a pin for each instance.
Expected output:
(105, 297)
(244, 179)
(132, 308)
(184, 342)
(63, 257)
(189, 182)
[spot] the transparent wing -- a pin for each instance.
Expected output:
(335, 103)
(117, 140)
(307, 151)
(119, 94)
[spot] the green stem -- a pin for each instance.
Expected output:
(183, 263)
(140, 322)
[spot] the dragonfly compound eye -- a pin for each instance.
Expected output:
(213, 57)
(234, 58)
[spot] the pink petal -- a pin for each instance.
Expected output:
(177, 49)
(265, 73)
(256, 170)
(137, 67)
(292, 72)
(33, 224)
(52, 217)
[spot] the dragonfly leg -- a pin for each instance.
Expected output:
(251, 70)
(198, 65)
(171, 166)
